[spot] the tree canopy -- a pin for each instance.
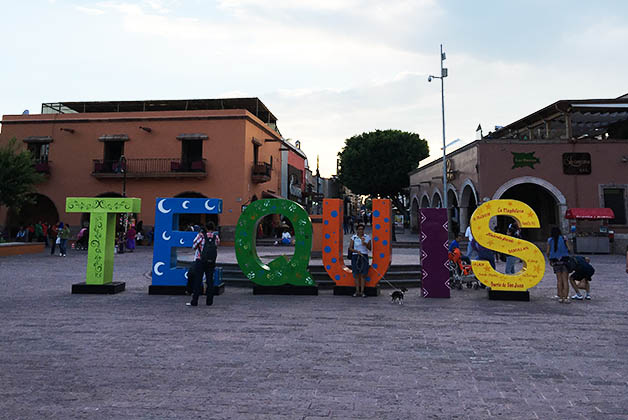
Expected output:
(377, 163)
(17, 176)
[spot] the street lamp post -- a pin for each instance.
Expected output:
(443, 74)
(122, 165)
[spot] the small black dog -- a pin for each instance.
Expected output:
(397, 295)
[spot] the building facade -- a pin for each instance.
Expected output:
(571, 154)
(216, 148)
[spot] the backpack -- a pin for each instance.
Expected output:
(210, 249)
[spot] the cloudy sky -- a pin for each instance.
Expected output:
(327, 69)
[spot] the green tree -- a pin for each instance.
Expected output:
(17, 176)
(377, 163)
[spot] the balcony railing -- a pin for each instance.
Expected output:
(150, 168)
(261, 172)
(42, 165)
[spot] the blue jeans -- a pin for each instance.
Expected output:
(510, 264)
(62, 245)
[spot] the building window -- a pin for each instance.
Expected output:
(191, 151)
(39, 151)
(113, 151)
(615, 199)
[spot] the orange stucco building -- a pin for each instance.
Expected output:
(219, 148)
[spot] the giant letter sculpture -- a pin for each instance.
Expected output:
(507, 286)
(102, 229)
(280, 271)
(167, 278)
(434, 256)
(333, 235)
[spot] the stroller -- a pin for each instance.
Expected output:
(82, 239)
(460, 272)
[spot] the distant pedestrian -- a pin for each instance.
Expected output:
(52, 237)
(130, 238)
(64, 235)
(351, 224)
(515, 232)
(469, 237)
(45, 227)
(359, 248)
(39, 232)
(22, 234)
(558, 254)
(345, 224)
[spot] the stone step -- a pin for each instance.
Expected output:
(407, 275)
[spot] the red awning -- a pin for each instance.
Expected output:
(592, 214)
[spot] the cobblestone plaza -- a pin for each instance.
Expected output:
(132, 355)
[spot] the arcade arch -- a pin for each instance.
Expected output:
(468, 203)
(546, 200)
(437, 199)
(425, 201)
(414, 214)
(41, 209)
(454, 209)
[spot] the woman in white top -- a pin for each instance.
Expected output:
(359, 248)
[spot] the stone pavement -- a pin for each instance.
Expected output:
(132, 355)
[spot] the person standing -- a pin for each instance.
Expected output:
(39, 232)
(130, 238)
(205, 253)
(64, 234)
(359, 248)
(44, 228)
(558, 254)
(469, 237)
(515, 232)
(52, 237)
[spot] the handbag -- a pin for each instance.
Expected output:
(350, 253)
(58, 241)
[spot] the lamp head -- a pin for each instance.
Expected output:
(429, 78)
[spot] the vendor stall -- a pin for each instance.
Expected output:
(590, 227)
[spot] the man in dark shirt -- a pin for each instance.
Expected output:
(581, 277)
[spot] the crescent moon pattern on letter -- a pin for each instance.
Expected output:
(164, 237)
(208, 207)
(185, 204)
(181, 241)
(161, 208)
(156, 268)
(186, 274)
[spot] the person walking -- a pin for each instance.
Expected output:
(558, 254)
(64, 235)
(359, 248)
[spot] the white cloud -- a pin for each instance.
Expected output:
(90, 11)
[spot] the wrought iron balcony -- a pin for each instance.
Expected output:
(150, 168)
(42, 165)
(261, 172)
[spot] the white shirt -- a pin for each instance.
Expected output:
(468, 234)
(360, 245)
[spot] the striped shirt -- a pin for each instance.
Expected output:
(199, 243)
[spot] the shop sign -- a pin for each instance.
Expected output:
(577, 163)
(520, 160)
